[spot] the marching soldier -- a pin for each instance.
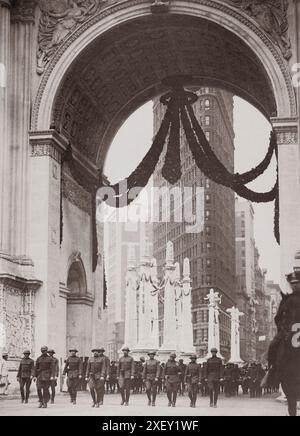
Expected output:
(214, 374)
(151, 373)
(182, 367)
(172, 378)
(53, 383)
(112, 382)
(25, 376)
(192, 379)
(95, 375)
(73, 369)
(44, 373)
(125, 374)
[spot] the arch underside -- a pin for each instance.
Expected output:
(124, 68)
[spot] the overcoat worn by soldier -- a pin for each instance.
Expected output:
(53, 383)
(25, 375)
(73, 369)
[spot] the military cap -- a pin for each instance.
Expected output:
(126, 349)
(4, 354)
(26, 352)
(95, 350)
(51, 351)
(152, 353)
(194, 357)
(173, 355)
(213, 350)
(44, 348)
(102, 350)
(73, 349)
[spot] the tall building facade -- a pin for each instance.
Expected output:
(210, 246)
(245, 274)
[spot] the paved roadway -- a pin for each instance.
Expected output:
(241, 406)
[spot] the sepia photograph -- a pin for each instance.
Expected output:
(149, 211)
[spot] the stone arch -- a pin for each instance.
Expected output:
(272, 69)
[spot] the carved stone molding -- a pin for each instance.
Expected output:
(286, 130)
(47, 144)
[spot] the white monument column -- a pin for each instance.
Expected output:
(131, 301)
(4, 123)
(213, 321)
(169, 333)
(235, 355)
(178, 308)
(187, 346)
(154, 335)
(144, 311)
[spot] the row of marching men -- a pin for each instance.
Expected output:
(45, 373)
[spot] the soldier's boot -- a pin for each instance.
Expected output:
(211, 404)
(40, 405)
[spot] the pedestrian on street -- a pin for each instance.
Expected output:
(44, 373)
(25, 376)
(4, 382)
(192, 379)
(95, 376)
(53, 383)
(214, 375)
(73, 369)
(172, 377)
(151, 374)
(125, 375)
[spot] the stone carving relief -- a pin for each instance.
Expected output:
(75, 194)
(271, 15)
(58, 19)
(18, 320)
(23, 10)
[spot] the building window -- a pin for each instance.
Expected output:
(207, 104)
(207, 120)
(207, 134)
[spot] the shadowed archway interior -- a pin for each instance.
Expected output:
(125, 67)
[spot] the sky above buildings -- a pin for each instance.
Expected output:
(252, 132)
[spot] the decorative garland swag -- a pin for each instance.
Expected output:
(179, 112)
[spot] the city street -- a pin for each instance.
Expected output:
(242, 406)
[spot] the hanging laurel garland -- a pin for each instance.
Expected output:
(179, 112)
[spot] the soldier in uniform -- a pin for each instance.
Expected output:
(73, 369)
(172, 378)
(112, 377)
(125, 374)
(151, 373)
(53, 383)
(25, 376)
(95, 375)
(44, 373)
(214, 374)
(192, 379)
